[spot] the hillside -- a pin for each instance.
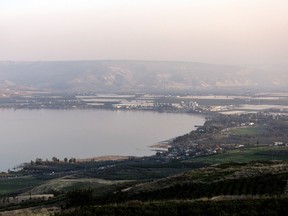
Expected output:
(255, 188)
(254, 178)
(105, 76)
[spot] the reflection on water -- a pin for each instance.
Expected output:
(28, 134)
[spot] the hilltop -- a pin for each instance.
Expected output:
(139, 76)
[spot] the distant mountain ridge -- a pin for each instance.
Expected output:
(135, 76)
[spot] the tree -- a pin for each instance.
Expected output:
(72, 160)
(54, 159)
(38, 161)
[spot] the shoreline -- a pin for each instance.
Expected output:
(162, 144)
(158, 146)
(104, 158)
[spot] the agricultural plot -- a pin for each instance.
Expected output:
(246, 155)
(248, 131)
(18, 184)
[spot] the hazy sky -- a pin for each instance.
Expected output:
(212, 31)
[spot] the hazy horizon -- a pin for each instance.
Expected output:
(229, 32)
(149, 60)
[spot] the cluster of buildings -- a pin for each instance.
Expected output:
(159, 106)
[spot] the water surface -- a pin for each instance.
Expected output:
(28, 134)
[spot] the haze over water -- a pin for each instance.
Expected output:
(28, 134)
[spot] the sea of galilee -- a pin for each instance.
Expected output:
(30, 134)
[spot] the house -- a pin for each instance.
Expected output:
(278, 144)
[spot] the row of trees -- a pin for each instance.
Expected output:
(39, 161)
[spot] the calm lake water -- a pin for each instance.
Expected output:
(28, 134)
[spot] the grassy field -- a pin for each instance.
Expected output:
(33, 211)
(248, 131)
(246, 155)
(64, 185)
(11, 185)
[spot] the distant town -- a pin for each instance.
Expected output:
(227, 132)
(25, 98)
